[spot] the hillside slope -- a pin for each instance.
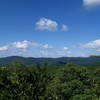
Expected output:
(50, 61)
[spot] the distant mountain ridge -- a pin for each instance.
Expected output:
(50, 61)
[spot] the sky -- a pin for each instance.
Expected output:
(49, 28)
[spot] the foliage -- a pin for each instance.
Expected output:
(82, 61)
(69, 82)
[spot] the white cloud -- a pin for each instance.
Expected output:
(21, 45)
(91, 3)
(65, 48)
(50, 25)
(47, 24)
(95, 45)
(3, 48)
(64, 28)
(66, 53)
(25, 45)
(32, 49)
(46, 46)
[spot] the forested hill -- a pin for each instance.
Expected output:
(94, 61)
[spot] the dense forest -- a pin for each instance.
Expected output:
(84, 61)
(68, 82)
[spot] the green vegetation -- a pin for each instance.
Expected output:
(83, 61)
(69, 82)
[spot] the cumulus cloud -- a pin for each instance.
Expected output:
(47, 24)
(64, 28)
(46, 46)
(24, 45)
(66, 53)
(21, 45)
(91, 3)
(95, 45)
(3, 48)
(32, 49)
(65, 48)
(50, 25)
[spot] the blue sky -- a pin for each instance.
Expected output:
(56, 27)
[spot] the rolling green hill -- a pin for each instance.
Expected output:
(94, 61)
